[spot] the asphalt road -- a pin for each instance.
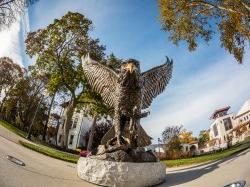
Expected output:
(216, 174)
(43, 171)
(39, 170)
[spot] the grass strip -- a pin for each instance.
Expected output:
(48, 151)
(207, 157)
(13, 128)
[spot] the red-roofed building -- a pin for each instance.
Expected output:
(220, 112)
(228, 128)
(222, 125)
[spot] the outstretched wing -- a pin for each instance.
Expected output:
(155, 81)
(102, 79)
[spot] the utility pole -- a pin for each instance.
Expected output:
(159, 140)
(34, 117)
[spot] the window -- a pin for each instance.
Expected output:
(228, 124)
(71, 139)
(60, 139)
(75, 122)
(215, 130)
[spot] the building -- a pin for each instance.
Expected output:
(158, 148)
(80, 125)
(222, 125)
(241, 131)
(228, 128)
(191, 147)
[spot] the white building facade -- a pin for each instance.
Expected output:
(241, 132)
(192, 148)
(219, 130)
(228, 128)
(80, 125)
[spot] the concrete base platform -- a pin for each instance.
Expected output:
(119, 174)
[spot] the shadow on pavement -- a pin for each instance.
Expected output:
(182, 176)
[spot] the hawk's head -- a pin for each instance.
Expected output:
(131, 66)
(130, 72)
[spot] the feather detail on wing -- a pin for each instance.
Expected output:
(101, 79)
(155, 81)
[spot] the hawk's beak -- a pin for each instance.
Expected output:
(130, 67)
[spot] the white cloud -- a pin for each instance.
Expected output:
(10, 44)
(191, 101)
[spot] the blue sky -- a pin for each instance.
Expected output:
(202, 80)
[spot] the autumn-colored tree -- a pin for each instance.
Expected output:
(171, 132)
(203, 137)
(170, 137)
(191, 20)
(10, 10)
(59, 48)
(186, 137)
(22, 102)
(10, 73)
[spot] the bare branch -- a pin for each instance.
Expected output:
(211, 5)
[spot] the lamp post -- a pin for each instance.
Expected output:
(34, 117)
(159, 141)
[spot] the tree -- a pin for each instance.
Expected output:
(171, 132)
(170, 137)
(10, 10)
(113, 62)
(10, 73)
(186, 137)
(45, 128)
(203, 138)
(191, 20)
(59, 49)
(52, 94)
(23, 101)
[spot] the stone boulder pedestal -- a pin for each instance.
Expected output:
(119, 174)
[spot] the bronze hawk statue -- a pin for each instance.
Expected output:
(129, 92)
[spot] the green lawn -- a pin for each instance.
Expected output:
(51, 152)
(40, 148)
(13, 128)
(206, 158)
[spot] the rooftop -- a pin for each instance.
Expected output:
(216, 112)
(245, 108)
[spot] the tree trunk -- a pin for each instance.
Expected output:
(67, 122)
(57, 128)
(91, 136)
(58, 124)
(47, 120)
